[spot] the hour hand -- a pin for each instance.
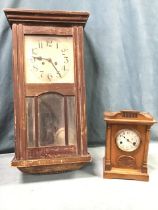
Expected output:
(50, 61)
(129, 141)
(38, 58)
(41, 58)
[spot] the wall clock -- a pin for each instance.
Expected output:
(127, 141)
(49, 90)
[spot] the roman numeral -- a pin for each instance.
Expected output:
(34, 51)
(40, 44)
(35, 68)
(49, 43)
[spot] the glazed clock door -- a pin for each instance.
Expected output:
(50, 100)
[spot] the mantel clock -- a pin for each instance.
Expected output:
(127, 141)
(49, 90)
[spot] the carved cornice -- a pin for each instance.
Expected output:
(129, 116)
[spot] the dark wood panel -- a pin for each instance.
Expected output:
(21, 92)
(47, 30)
(16, 92)
(47, 152)
(78, 73)
(82, 94)
(37, 89)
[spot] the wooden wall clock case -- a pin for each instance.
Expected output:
(49, 90)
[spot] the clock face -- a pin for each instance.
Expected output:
(127, 140)
(49, 59)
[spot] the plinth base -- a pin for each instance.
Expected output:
(116, 173)
(54, 165)
(124, 173)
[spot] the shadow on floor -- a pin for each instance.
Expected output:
(86, 171)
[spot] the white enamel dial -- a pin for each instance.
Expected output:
(49, 59)
(127, 140)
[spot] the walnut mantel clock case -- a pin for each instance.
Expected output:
(49, 90)
(127, 141)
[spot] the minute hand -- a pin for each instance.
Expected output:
(128, 140)
(50, 61)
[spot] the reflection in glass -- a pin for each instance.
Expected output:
(71, 115)
(30, 115)
(51, 121)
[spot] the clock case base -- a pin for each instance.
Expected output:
(131, 174)
(55, 165)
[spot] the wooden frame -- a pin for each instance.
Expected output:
(36, 22)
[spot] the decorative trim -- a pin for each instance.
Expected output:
(45, 16)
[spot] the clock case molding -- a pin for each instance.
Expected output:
(127, 165)
(30, 22)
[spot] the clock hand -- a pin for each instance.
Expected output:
(133, 143)
(50, 61)
(128, 140)
(38, 58)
